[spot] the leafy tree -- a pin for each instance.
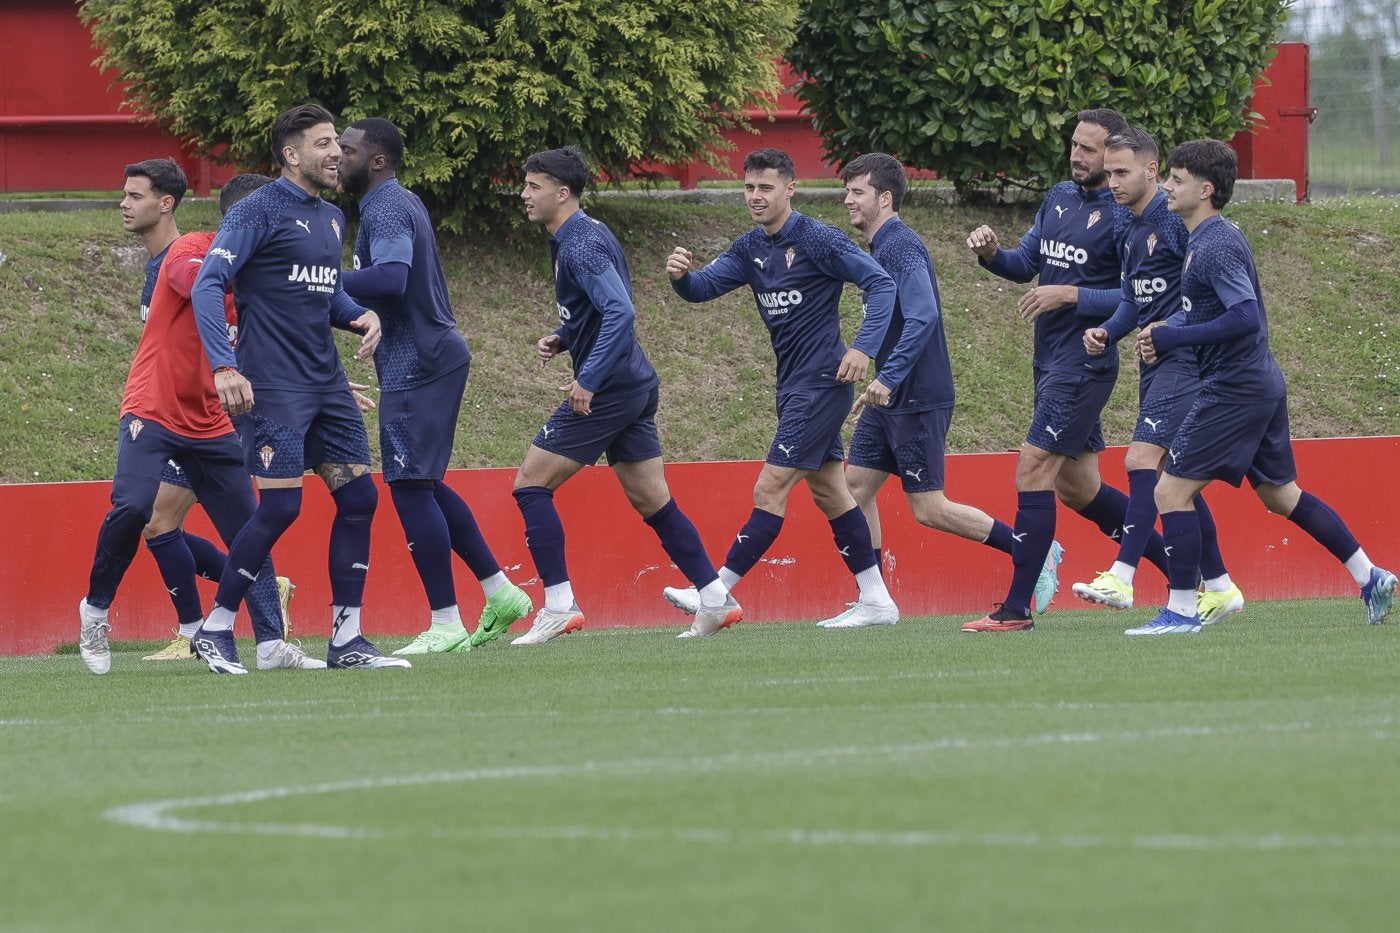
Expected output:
(474, 87)
(973, 90)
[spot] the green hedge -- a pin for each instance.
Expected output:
(974, 90)
(475, 87)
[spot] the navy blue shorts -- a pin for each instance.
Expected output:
(809, 426)
(1067, 409)
(213, 468)
(907, 444)
(172, 475)
(1165, 397)
(418, 426)
(289, 432)
(1232, 440)
(622, 427)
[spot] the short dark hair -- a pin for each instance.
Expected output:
(1110, 120)
(886, 174)
(384, 137)
(761, 159)
(1209, 160)
(165, 175)
(239, 187)
(1138, 140)
(567, 167)
(295, 122)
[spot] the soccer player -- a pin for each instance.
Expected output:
(905, 412)
(150, 197)
(797, 268)
(422, 362)
(1072, 249)
(171, 412)
(1153, 249)
(1239, 424)
(280, 249)
(610, 409)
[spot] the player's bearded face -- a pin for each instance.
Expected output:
(354, 178)
(318, 156)
(862, 203)
(1086, 155)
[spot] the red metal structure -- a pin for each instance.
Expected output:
(62, 126)
(1278, 146)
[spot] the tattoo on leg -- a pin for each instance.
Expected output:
(337, 475)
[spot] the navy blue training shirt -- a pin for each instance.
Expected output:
(1219, 274)
(1073, 241)
(797, 277)
(913, 357)
(1154, 248)
(149, 287)
(593, 290)
(279, 249)
(421, 341)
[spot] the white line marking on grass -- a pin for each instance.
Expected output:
(164, 815)
(869, 678)
(31, 722)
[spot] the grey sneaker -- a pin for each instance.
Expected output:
(549, 624)
(289, 654)
(863, 615)
(684, 598)
(708, 621)
(92, 638)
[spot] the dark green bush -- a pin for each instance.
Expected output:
(973, 89)
(474, 87)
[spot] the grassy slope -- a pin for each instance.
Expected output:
(777, 778)
(69, 286)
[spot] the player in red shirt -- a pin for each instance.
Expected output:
(170, 411)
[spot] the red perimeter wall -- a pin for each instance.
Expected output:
(619, 569)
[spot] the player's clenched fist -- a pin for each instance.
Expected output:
(548, 347)
(983, 241)
(678, 263)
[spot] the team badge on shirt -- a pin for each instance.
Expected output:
(335, 225)
(1151, 243)
(790, 255)
(1093, 219)
(134, 427)
(266, 455)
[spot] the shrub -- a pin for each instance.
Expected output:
(971, 90)
(474, 87)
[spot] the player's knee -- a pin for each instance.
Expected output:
(357, 499)
(160, 524)
(277, 509)
(1142, 460)
(1280, 500)
(128, 521)
(932, 514)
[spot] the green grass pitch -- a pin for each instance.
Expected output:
(777, 777)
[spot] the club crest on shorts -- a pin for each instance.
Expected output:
(134, 427)
(266, 455)
(335, 225)
(1093, 219)
(790, 255)
(1151, 243)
